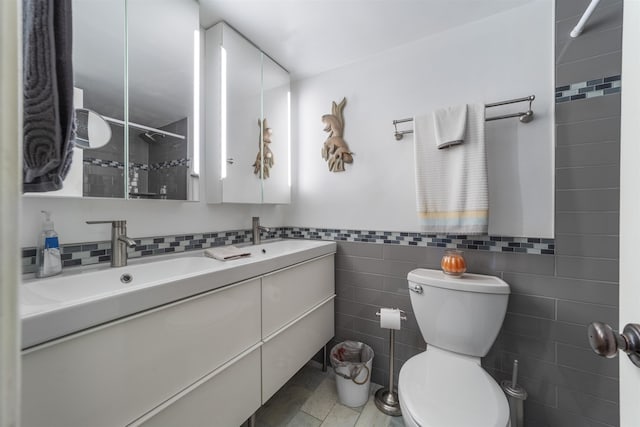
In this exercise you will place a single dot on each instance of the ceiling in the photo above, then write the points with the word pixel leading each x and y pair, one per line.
pixel 308 37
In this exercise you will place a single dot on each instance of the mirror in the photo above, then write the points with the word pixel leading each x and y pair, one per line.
pixel 252 136
pixel 163 50
pixel 92 131
pixel 143 87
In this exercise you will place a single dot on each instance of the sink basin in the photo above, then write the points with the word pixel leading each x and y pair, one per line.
pixel 40 295
pixel 84 297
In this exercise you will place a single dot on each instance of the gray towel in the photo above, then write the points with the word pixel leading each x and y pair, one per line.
pixel 48 94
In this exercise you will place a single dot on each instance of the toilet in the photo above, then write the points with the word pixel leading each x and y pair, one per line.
pixel 459 318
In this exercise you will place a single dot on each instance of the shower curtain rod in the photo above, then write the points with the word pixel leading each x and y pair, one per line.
pixel 143 127
pixel 525 116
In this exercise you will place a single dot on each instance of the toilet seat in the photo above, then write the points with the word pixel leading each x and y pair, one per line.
pixel 438 388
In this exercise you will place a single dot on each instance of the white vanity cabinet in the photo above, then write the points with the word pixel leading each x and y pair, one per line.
pixel 111 375
pixel 297 319
pixel 210 359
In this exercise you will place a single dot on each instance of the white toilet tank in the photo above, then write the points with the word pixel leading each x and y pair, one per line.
pixel 459 314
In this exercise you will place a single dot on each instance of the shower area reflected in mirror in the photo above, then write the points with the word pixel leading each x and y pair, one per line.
pixel 134 66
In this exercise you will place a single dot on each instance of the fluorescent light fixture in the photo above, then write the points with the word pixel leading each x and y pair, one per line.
pixel 223 112
pixel 196 102
pixel 289 137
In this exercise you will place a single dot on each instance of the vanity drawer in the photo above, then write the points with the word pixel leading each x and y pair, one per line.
pixel 288 293
pixel 111 375
pixel 226 397
pixel 284 353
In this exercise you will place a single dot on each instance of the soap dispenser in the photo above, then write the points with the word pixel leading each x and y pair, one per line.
pixel 48 257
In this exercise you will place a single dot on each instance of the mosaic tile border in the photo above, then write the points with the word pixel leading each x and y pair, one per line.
pixel 589 89
pixel 170 164
pixel 136 166
pixel 103 163
pixel 527 245
pixel 100 252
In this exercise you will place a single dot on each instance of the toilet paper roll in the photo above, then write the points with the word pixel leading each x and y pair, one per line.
pixel 390 318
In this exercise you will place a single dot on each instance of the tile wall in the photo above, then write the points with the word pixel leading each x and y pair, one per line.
pixel 554 297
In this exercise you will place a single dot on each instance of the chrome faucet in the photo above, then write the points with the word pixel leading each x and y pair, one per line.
pixel 119 241
pixel 256 229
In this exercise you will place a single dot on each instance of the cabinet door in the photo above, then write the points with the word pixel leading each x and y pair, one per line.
pixel 224 398
pixel 288 293
pixel 243 112
pixel 113 374
pixel 276 187
pixel 288 350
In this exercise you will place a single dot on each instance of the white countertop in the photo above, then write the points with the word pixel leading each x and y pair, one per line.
pixel 84 297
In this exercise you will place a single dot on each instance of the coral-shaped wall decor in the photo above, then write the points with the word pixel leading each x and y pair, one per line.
pixel 335 150
pixel 264 162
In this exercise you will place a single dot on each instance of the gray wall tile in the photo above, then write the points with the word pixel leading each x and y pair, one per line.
pixel 605 270
pixel 544 416
pixel 599 130
pixel 575 8
pixel 599 246
pixel 586 360
pixel 588 222
pixel 588 109
pixel 589 406
pixel 360 250
pixel 581 178
pixel 532 306
pixel 599 386
pixel 583 314
pixel 383 299
pixel 375 266
pixel 587 45
pixel 533 347
pixel 564 288
pixel 609 64
pixel 588 200
pixel 596 154
pixel 605 17
pixel 359 279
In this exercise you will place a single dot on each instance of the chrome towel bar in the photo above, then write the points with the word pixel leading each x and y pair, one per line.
pixel 525 116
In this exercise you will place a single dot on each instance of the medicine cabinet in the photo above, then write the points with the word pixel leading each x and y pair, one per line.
pixel 136 66
pixel 247 124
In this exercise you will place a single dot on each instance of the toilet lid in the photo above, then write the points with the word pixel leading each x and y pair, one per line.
pixel 439 388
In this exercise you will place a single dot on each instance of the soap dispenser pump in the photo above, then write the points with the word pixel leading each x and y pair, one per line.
pixel 48 257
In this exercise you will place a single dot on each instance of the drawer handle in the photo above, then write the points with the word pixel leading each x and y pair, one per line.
pixel 416 288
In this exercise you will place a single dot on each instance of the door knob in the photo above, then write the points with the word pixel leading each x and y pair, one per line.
pixel 606 342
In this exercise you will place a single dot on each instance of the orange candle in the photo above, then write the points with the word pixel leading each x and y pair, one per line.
pixel 453 263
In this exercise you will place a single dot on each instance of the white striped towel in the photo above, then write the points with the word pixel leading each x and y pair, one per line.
pixel 451 184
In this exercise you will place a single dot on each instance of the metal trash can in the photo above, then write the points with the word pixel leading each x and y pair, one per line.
pixel 351 361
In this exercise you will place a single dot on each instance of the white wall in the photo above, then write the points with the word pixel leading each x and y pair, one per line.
pixel 501 57
pixel 145 218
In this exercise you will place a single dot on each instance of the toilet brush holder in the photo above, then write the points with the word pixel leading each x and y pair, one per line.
pixel 516 395
pixel 386 399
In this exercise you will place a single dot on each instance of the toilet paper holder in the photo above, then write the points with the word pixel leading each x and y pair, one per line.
pixel 402 314
pixel 386 399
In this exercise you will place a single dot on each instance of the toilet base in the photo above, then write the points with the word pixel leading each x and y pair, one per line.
pixel 387 402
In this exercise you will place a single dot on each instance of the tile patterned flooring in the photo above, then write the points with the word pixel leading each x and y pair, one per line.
pixel 310 399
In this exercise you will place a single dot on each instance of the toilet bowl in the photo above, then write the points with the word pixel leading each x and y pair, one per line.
pixel 445 386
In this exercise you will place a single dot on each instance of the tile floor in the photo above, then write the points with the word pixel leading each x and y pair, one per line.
pixel 310 399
